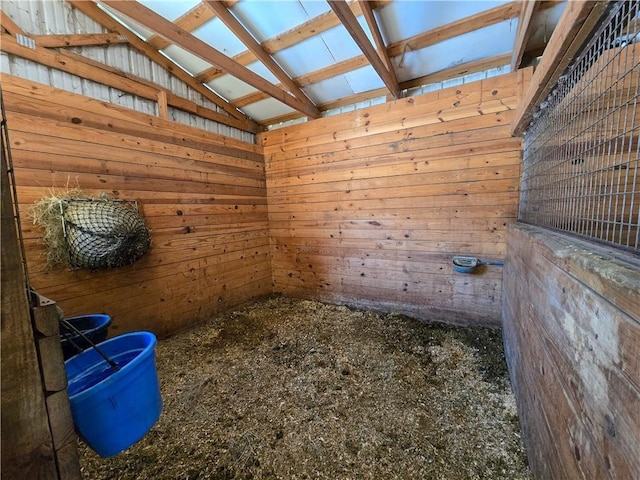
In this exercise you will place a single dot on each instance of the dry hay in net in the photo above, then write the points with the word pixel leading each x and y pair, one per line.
pixel 47 213
pixel 91 232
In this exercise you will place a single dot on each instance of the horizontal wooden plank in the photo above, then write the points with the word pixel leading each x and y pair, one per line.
pixel 446 145
pixel 428 212
pixel 454 203
pixel 30 194
pixel 392 247
pixel 437 120
pixel 41 100
pixel 467 99
pixel 589 343
pixel 48 179
pixel 401 140
pixel 167 251
pixel 48 154
pixel 158 153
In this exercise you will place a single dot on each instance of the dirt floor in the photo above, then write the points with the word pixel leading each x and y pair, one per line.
pixel 295 389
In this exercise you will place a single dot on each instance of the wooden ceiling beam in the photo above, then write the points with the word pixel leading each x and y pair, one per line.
pixel 151 20
pixel 92 70
pixel 524 32
pixel 79 40
pixel 577 22
pixel 350 22
pixel 245 37
pixel 194 18
pixel 454 29
pixel 92 11
pixel 306 30
pixel 9 25
pixel 370 18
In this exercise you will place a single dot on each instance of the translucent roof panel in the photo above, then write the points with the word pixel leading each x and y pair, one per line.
pixel 230 87
pixel 267 108
pixel 455 51
pixel 341 44
pixel 364 79
pixel 402 20
pixel 328 90
pixel 268 18
pixel 170 10
pixel 307 56
pixel 216 34
pixel 135 27
pixel 185 59
pixel 264 72
pixel 314 7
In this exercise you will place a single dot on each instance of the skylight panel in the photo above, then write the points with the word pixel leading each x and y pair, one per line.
pixel 230 87
pixel 185 59
pixel 216 34
pixel 267 19
pixel 170 10
pixel 267 108
pixel 401 20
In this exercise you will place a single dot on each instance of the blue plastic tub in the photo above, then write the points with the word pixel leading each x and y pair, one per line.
pixel 94 326
pixel 113 410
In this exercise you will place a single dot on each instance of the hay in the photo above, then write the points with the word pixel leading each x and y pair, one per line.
pixel 47 213
pixel 91 232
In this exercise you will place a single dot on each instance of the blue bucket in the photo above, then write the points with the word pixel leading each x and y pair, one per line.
pixel 94 327
pixel 112 410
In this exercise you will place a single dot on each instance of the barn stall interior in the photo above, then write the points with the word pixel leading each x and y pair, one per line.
pixel 308 171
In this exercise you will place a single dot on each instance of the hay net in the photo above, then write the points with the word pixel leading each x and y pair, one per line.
pixel 96 233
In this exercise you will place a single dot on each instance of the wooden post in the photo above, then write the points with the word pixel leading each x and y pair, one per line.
pixel 38 440
pixel 163 110
pixel 27 446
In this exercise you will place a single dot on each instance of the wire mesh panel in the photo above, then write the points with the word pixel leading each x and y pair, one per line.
pixel 581 152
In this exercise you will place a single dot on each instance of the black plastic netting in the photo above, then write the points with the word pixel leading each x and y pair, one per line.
pixel 103 233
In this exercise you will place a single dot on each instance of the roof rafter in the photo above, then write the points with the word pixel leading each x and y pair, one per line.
pixel 194 18
pixel 367 11
pixel 9 25
pixel 245 37
pixel 348 19
pixel 523 32
pixel 151 20
pixel 92 11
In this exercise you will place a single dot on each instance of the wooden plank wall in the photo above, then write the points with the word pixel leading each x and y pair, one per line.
pixel 571 315
pixel 203 197
pixel 369 207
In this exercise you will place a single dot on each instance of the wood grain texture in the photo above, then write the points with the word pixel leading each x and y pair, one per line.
pixel 572 353
pixel 27 445
pixel 203 196
pixel 369 207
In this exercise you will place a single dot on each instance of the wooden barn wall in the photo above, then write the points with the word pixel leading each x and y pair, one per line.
pixel 368 208
pixel 203 196
pixel 571 315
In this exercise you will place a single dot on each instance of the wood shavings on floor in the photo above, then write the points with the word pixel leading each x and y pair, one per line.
pixel 296 389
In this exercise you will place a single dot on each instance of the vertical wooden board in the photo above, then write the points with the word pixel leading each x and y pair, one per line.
pixel 52 363
pixel 27 450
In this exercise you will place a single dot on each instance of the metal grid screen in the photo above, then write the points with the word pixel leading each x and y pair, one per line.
pixel 581 151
